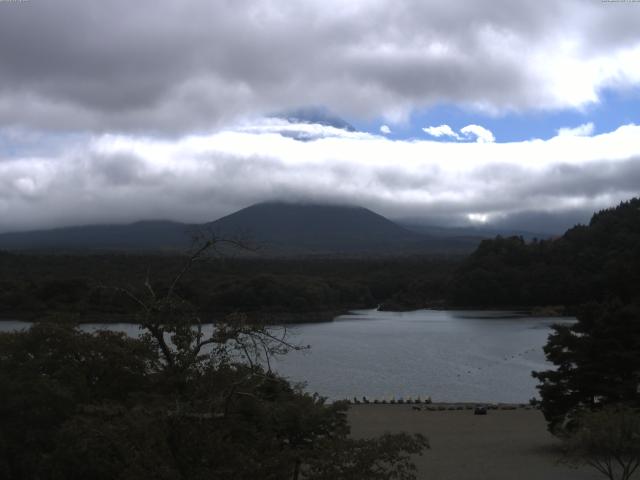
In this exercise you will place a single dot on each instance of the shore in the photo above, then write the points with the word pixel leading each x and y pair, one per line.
pixel 268 318
pixel 505 444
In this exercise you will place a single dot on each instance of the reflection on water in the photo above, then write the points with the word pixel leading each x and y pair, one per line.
pixel 448 355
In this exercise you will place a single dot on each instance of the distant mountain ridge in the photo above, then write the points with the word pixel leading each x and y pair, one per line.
pixel 314 227
pixel 316 115
pixel 143 235
pixel 278 228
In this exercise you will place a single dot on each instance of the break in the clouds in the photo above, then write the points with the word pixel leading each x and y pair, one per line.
pixel 119 178
pixel 178 67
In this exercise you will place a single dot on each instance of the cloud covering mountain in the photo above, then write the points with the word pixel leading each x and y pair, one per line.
pixel 118 178
pixel 121 111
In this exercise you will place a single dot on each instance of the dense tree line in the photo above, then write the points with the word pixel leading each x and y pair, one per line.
pixel 32 285
pixel 597 262
pixel 594 270
pixel 597 364
pixel 173 404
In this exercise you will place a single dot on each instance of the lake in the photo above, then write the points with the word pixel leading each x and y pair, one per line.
pixel 453 356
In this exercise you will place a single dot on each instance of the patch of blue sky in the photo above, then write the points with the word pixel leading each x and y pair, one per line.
pixel 18 143
pixel 615 108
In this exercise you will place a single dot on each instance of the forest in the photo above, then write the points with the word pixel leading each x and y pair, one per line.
pixel 177 404
pixel 287 289
pixel 595 262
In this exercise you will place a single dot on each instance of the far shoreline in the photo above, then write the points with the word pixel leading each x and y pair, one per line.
pixel 279 318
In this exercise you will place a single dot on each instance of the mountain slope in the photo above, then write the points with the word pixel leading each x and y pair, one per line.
pixel 314 227
pixel 278 228
pixel 147 235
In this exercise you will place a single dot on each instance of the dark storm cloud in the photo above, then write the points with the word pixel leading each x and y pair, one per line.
pixel 177 66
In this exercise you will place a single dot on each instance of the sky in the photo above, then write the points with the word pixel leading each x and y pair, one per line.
pixel 507 113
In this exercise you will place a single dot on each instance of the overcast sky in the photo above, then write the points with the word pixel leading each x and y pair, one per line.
pixel 510 112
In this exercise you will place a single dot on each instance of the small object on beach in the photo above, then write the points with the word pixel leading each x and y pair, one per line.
pixel 427 399
pixel 419 409
pixel 480 410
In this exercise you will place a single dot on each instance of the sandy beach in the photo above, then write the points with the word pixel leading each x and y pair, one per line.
pixel 502 445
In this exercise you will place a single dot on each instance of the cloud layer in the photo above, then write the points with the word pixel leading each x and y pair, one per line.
pixel 120 110
pixel 176 67
pixel 120 178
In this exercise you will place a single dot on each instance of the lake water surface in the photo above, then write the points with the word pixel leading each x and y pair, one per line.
pixel 448 355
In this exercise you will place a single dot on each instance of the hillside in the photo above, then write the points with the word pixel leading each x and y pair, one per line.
pixel 277 228
pixel 319 228
pixel 148 235
pixel 596 262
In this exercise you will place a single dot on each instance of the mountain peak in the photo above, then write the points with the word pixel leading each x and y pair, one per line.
pixel 314 227
pixel 316 115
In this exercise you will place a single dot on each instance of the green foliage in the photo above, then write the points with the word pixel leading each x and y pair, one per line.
pixel 47 373
pixel 33 285
pixel 173 404
pixel 598 262
pixel 608 440
pixel 384 458
pixel 597 363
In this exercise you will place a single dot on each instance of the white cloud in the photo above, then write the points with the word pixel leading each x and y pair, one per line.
pixel 201 177
pixel 441 131
pixel 584 130
pixel 385 130
pixel 482 134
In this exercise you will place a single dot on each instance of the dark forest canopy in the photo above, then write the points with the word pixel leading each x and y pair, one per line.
pixel 33 285
pixel 102 406
pixel 174 404
pixel 593 262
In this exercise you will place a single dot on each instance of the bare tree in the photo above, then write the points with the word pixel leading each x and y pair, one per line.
pixel 173 325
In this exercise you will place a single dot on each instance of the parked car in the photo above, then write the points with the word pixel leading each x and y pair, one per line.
pixel 480 410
